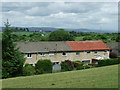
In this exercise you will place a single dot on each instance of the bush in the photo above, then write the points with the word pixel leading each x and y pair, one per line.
pixel 113 55
pixel 85 66
pixel 78 65
pixel 43 66
pixel 106 62
pixel 28 70
pixel 67 65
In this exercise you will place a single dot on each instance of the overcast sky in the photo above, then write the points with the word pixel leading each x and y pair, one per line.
pixel 90 15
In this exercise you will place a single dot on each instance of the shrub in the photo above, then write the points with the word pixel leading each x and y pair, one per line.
pixel 106 62
pixel 85 66
pixel 67 65
pixel 78 65
pixel 28 70
pixel 113 55
pixel 92 64
pixel 43 66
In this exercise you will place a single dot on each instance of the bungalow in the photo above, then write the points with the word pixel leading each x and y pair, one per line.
pixel 57 51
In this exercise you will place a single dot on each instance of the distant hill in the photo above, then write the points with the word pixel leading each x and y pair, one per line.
pixel 53 29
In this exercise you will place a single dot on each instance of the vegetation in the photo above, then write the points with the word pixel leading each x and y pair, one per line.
pixel 60 35
pixel 101 77
pixel 106 62
pixel 23 34
pixel 78 65
pixel 43 66
pixel 67 65
pixel 28 70
pixel 105 37
pixel 12 59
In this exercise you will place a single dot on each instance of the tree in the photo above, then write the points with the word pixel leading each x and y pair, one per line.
pixel 60 35
pixel 12 59
pixel 27 29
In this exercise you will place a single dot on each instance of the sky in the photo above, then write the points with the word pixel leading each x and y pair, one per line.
pixel 75 15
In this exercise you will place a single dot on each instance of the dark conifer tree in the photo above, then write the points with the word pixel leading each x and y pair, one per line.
pixel 12 59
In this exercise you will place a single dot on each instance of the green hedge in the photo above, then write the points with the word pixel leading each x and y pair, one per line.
pixel 43 66
pixel 78 65
pixel 28 70
pixel 106 62
pixel 67 65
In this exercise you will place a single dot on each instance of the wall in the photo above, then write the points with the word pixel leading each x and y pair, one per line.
pixel 58 57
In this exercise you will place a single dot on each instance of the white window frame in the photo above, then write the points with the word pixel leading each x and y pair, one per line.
pixel 43 54
pixel 65 54
pixel 29 55
pixel 51 54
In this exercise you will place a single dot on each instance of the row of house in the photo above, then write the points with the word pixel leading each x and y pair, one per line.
pixel 58 51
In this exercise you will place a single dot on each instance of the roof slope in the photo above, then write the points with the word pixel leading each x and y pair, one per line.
pixel 43 46
pixel 88 45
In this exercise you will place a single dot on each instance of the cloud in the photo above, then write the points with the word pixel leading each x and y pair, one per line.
pixel 89 15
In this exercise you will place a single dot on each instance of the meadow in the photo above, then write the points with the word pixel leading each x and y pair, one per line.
pixel 100 77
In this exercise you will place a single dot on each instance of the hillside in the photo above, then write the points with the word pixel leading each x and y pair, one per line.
pixel 101 77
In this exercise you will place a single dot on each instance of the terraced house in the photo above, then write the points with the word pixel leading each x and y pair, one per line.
pixel 57 51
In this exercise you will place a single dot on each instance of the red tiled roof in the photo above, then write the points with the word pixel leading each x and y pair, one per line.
pixel 87 45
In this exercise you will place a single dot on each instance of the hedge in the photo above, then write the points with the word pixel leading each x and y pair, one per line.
pixel 28 70
pixel 43 66
pixel 78 65
pixel 106 62
pixel 67 65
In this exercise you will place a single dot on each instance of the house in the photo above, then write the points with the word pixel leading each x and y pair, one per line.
pixel 114 47
pixel 58 51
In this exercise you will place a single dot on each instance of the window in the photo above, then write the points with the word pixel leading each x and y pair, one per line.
pixel 95 52
pixel 105 50
pixel 64 53
pixel 77 53
pixel 29 55
pixel 51 53
pixel 88 52
pixel 86 61
pixel 42 54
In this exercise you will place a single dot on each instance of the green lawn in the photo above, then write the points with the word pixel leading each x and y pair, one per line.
pixel 79 38
pixel 28 33
pixel 101 77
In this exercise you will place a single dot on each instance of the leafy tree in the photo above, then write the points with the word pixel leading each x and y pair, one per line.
pixel 60 35
pixel 12 59
pixel 27 29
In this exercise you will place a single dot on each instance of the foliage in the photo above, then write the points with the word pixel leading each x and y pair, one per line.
pixel 85 66
pixel 106 62
pixel 28 70
pixel 60 35
pixel 78 65
pixel 43 66
pixel 12 59
pixel 113 55
pixel 67 65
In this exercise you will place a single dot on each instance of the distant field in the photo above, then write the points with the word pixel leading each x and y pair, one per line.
pixel 79 38
pixel 28 33
pixel 101 77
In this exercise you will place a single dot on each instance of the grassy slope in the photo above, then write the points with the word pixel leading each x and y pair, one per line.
pixel 101 77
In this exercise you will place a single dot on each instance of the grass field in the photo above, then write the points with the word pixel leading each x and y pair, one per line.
pixel 79 38
pixel 101 77
pixel 28 33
